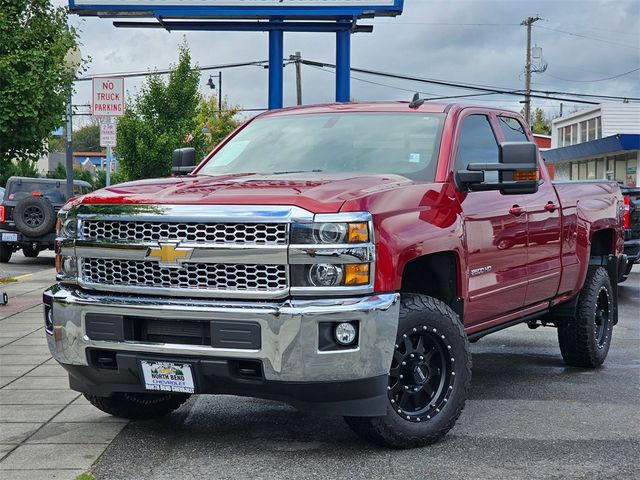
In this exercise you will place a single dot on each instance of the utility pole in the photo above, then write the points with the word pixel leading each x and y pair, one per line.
pixel 296 59
pixel 527 81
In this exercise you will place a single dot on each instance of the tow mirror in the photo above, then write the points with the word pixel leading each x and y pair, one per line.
pixel 183 160
pixel 517 169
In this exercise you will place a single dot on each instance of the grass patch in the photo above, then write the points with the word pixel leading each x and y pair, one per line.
pixel 85 476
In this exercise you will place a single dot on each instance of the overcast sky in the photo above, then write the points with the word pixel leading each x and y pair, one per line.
pixel 477 41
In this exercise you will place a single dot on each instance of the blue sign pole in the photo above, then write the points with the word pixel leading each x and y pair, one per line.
pixel 276 67
pixel 343 66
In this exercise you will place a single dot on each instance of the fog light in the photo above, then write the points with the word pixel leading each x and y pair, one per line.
pixel 325 275
pixel 69 266
pixel 345 333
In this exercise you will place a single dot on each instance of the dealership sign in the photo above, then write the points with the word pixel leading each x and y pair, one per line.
pixel 239 8
pixel 108 97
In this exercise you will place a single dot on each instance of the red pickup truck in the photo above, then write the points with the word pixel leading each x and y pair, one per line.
pixel 337 257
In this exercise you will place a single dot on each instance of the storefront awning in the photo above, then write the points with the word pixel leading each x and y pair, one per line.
pixel 595 148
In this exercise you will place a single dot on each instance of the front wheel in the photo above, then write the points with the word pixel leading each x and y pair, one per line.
pixel 30 252
pixel 429 379
pixel 585 338
pixel 138 406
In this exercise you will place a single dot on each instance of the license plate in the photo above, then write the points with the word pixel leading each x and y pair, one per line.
pixel 167 376
pixel 9 237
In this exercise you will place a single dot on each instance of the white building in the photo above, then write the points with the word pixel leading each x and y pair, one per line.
pixel 602 142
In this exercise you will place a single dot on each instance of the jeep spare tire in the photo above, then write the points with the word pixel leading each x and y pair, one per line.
pixel 34 216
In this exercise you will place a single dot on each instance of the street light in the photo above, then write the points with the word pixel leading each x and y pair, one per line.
pixel 72 61
pixel 212 86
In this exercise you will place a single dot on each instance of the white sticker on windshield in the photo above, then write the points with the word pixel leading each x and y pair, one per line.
pixel 414 157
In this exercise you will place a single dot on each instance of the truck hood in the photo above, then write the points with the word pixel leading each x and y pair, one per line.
pixel 316 192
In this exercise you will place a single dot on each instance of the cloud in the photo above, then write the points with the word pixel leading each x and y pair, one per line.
pixel 430 39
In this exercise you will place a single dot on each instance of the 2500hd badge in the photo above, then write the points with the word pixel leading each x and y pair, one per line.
pixel 335 257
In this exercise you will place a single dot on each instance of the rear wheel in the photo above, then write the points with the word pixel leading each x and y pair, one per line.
pixel 429 379
pixel 5 252
pixel 138 406
pixel 34 216
pixel 585 339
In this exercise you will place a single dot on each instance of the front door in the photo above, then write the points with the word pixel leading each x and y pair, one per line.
pixel 543 227
pixel 495 231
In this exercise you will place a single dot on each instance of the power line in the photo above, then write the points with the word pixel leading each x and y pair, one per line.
pixel 544 94
pixel 573 34
pixel 450 84
pixel 596 80
pixel 169 70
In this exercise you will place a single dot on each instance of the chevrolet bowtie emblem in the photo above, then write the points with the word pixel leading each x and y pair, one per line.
pixel 169 254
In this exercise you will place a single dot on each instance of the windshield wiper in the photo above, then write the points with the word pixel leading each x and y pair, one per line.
pixel 297 171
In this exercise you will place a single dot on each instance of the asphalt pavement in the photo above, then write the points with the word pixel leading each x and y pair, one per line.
pixel 529 416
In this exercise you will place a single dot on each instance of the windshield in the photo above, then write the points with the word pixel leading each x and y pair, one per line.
pixel 405 144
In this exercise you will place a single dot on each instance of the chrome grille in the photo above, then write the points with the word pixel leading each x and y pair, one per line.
pixel 216 233
pixel 193 276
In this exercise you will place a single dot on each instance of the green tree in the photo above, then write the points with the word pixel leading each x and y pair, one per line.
pixel 78 174
pixel 217 124
pixel 540 123
pixel 34 80
pixel 87 138
pixel 159 119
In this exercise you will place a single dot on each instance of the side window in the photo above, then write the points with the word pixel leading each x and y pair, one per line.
pixel 512 129
pixel 477 144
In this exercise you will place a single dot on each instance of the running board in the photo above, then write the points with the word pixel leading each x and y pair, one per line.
pixel 528 318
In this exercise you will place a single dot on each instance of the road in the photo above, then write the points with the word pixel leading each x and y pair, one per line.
pixel 529 416
pixel 21 265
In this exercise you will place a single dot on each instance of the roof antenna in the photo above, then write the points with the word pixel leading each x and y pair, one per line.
pixel 417 101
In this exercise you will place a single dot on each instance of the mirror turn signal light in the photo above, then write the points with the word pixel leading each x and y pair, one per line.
pixel 358 232
pixel 356 274
pixel 526 175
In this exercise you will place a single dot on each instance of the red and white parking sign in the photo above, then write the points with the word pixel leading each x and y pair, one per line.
pixel 108 134
pixel 108 97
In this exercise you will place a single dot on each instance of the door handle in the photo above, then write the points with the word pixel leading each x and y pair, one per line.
pixel 516 210
pixel 550 207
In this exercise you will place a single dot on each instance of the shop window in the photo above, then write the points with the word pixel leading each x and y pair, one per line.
pixel 591 170
pixel 566 136
pixel 582 171
pixel 583 131
pixel 621 170
pixel 600 163
pixel 575 174
pixel 591 129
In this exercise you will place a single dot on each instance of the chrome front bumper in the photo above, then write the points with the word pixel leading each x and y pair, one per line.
pixel 289 331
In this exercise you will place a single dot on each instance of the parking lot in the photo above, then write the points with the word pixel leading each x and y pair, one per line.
pixel 528 416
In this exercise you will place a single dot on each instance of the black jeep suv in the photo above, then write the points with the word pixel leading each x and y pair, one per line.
pixel 28 214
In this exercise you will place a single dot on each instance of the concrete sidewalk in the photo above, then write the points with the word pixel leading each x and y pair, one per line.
pixel 47 431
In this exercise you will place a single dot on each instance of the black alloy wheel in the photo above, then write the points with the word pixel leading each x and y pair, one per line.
pixel 421 375
pixel 603 315
pixel 585 337
pixel 33 216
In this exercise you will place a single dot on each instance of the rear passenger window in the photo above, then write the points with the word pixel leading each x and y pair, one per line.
pixel 477 144
pixel 512 129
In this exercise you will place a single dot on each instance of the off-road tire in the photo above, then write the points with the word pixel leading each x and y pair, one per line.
pixel 138 406
pixel 34 216
pixel 578 336
pixel 29 252
pixel 5 252
pixel 420 313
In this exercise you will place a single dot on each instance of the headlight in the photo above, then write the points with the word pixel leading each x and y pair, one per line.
pixel 66 227
pixel 325 275
pixel 66 266
pixel 330 233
